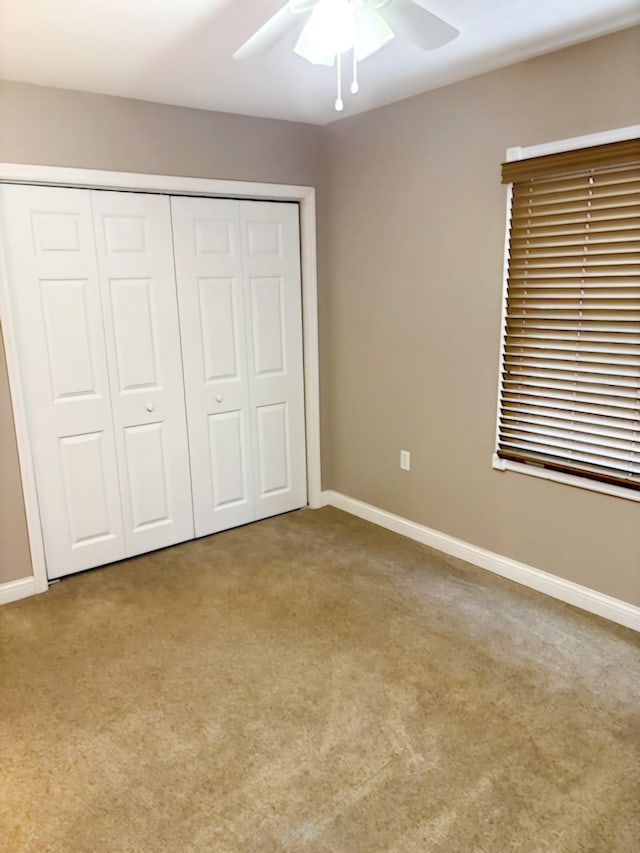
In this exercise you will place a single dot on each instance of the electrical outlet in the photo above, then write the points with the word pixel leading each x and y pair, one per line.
pixel 405 460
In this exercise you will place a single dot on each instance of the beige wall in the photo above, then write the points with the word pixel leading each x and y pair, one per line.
pixel 62 128
pixel 416 218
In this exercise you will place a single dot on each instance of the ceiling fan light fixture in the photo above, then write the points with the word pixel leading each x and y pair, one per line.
pixel 334 27
pixel 338 26
pixel 329 32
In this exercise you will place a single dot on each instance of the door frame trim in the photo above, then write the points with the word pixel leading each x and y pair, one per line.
pixel 20 173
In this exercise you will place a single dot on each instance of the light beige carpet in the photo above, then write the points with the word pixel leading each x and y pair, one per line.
pixel 313 683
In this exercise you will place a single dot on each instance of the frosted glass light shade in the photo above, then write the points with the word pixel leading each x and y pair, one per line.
pixel 329 32
pixel 371 31
pixel 336 26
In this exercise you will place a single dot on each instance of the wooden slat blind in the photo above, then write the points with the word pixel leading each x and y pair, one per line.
pixel 570 386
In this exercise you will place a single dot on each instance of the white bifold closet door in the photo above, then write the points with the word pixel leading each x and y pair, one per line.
pixel 51 260
pixel 93 293
pixel 137 280
pixel 239 293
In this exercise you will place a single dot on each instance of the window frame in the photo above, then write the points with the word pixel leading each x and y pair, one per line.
pixel 498 463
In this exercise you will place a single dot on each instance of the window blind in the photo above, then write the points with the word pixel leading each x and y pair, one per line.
pixel 570 383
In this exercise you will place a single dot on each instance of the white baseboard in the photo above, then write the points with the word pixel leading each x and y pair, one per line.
pixel 572 593
pixel 15 590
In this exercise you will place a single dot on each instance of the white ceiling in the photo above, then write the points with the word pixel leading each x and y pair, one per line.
pixel 179 51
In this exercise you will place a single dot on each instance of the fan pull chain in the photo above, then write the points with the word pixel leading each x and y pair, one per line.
pixel 339 101
pixel 355 86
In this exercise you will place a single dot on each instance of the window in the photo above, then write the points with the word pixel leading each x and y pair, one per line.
pixel 570 376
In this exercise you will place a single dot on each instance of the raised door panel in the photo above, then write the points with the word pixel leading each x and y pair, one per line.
pixel 53 282
pixel 84 459
pixel 274 449
pixel 212 319
pixel 218 307
pixel 228 442
pixel 272 285
pixel 134 334
pixel 268 325
pixel 149 489
pixel 133 238
pixel 68 338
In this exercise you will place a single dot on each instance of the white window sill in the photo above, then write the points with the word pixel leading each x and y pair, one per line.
pixel 568 479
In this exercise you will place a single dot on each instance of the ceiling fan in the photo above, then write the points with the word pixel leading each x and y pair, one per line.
pixel 334 27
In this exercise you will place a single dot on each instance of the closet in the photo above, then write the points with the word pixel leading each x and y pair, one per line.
pixel 238 268
pixel 160 348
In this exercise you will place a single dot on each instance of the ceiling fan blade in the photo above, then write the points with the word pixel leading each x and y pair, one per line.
pixel 411 22
pixel 275 29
